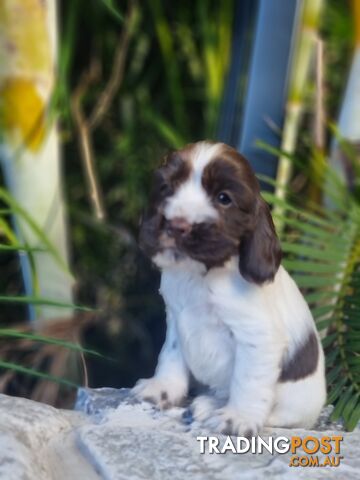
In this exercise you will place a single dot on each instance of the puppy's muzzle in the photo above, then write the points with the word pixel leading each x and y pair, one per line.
pixel 178 227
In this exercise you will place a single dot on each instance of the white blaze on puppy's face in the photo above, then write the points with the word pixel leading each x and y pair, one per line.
pixel 190 201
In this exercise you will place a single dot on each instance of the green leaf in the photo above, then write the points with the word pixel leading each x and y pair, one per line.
pixel 313 231
pixel 41 301
pixel 322 310
pixel 339 407
pixel 321 324
pixel 353 419
pixel 355 371
pixel 336 391
pixel 307 266
pixel 349 407
pixel 20 248
pixel 311 281
pixel 169 132
pixel 352 345
pixel 352 334
pixel 7 231
pixel 314 253
pixel 333 374
pixel 277 152
pixel 354 360
pixel 6 332
pixel 163 30
pixel 352 300
pixel 110 5
pixel 331 357
pixel 22 213
pixel 36 373
pixel 315 219
pixel 320 296
pixel 329 339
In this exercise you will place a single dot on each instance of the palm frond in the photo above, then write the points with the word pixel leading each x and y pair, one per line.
pixel 10 333
pixel 36 373
pixel 17 209
pixel 36 300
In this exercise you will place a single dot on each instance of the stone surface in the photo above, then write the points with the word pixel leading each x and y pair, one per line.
pixel 136 441
pixel 37 442
pixel 100 400
pixel 112 436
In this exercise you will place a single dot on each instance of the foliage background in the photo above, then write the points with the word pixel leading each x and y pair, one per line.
pixel 170 94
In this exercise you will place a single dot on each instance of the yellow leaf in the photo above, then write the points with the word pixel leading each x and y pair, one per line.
pixel 22 113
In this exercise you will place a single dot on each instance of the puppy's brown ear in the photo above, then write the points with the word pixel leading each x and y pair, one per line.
pixel 259 250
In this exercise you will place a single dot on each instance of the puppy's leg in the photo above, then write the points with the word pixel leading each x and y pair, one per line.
pixel 252 389
pixel 169 385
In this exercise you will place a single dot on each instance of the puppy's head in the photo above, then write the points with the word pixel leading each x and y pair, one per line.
pixel 206 205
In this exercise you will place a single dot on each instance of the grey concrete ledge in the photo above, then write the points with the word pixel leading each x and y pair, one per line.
pixel 112 436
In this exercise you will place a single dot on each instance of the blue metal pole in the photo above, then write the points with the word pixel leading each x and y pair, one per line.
pixel 5 163
pixel 255 96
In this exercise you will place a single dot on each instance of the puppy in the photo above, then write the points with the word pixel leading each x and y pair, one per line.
pixel 236 321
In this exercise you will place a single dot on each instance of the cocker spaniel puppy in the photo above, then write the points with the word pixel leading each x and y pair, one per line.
pixel 236 321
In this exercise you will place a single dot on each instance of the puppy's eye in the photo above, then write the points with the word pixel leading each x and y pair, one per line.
pixel 224 199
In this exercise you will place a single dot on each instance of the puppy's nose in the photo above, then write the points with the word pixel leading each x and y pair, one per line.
pixel 178 227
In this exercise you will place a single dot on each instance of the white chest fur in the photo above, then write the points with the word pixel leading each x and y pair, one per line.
pixel 203 307
pixel 233 336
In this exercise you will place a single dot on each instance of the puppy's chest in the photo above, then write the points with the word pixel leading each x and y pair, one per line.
pixel 207 343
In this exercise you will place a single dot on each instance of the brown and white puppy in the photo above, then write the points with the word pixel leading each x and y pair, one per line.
pixel 236 321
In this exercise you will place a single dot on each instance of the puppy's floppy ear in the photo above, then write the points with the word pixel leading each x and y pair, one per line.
pixel 259 250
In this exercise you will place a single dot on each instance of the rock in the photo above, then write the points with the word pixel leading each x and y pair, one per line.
pixel 112 436
pixel 32 439
pixel 98 401
pixel 137 441
pixel 26 427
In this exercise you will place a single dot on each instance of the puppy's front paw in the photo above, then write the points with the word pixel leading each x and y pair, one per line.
pixel 203 407
pixel 162 392
pixel 229 421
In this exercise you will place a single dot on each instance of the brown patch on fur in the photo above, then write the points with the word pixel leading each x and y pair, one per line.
pixel 260 252
pixel 175 169
pixel 247 220
pixel 304 361
pixel 207 244
pixel 223 174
